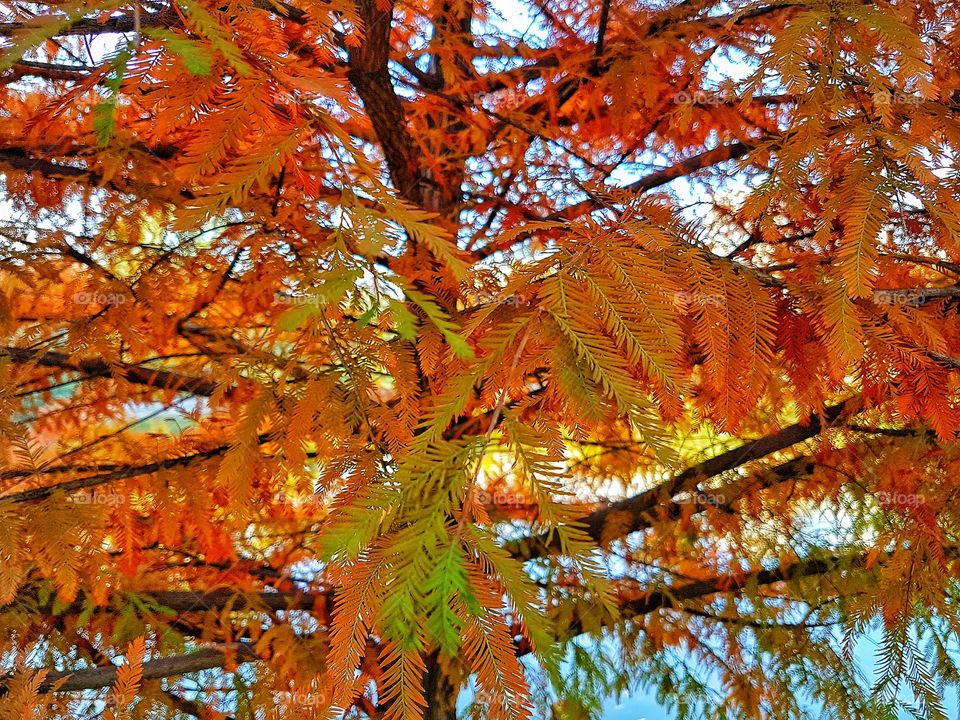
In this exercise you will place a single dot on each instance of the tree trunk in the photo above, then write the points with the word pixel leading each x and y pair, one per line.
pixel 441 689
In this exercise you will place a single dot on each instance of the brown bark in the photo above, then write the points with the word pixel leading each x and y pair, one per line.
pixel 441 690
pixel 370 78
pixel 136 374
pixel 443 681
pixel 635 513
pixel 101 677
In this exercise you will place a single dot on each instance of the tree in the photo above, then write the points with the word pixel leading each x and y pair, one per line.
pixel 359 352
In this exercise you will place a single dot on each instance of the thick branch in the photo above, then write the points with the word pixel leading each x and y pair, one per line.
pixel 217 657
pixel 369 75
pixel 635 513
pixel 128 23
pixel 736 583
pixel 16 158
pixel 702 589
pixel 136 374
pixel 101 677
pixel 123 473
pixel 181 601
pixel 50 71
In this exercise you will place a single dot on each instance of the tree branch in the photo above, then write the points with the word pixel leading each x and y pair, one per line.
pixel 16 158
pixel 648 182
pixel 101 677
pixel 369 76
pixel 136 374
pixel 218 656
pixel 188 600
pixel 635 513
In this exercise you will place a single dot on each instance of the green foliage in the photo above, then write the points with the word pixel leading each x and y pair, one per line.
pixel 197 59
pixel 103 113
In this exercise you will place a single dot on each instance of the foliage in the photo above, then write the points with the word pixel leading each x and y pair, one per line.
pixel 359 352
